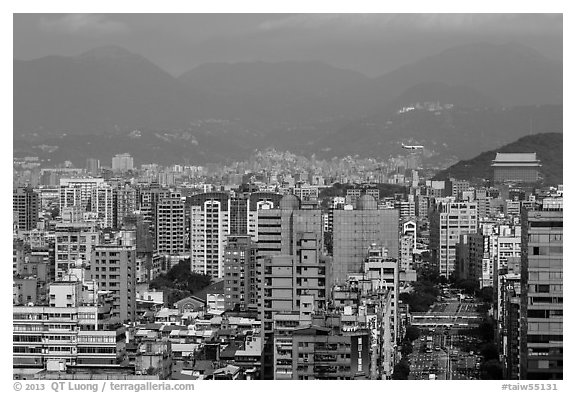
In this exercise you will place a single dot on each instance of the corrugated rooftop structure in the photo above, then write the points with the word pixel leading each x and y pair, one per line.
pixel 516 168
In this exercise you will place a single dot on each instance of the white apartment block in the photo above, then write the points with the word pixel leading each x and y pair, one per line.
pixel 447 222
pixel 73 241
pixel 70 331
pixel 102 204
pixel 209 228
pixel 78 191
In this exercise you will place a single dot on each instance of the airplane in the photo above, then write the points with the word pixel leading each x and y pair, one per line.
pixel 412 147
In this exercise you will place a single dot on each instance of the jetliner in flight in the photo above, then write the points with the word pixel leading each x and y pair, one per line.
pixel 412 147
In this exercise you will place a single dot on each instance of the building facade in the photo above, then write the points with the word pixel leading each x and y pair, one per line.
pixel 240 273
pixel 356 230
pixel 449 220
pixel 541 334
pixel 74 241
pixel 171 226
pixel 516 168
pixel 113 267
pixel 26 206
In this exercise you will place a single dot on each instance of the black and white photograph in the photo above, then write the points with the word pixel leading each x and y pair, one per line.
pixel 286 196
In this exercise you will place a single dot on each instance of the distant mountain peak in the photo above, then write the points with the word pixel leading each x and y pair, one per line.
pixel 107 52
pixel 274 66
pixel 113 55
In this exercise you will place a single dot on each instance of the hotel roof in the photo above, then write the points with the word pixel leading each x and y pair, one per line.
pixel 507 159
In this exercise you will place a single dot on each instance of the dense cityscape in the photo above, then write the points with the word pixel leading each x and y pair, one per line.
pixel 286 268
pixel 287 196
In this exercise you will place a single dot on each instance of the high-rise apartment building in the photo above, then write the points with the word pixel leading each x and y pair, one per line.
pixel 19 251
pixel 240 273
pixel 407 208
pixel 286 277
pixel 124 204
pixel 278 227
pixel 508 319
pixel 381 273
pixel 484 206
pixel 73 241
pixel 542 308
pixel 122 162
pixel 457 187
pixel 406 253
pixel 472 251
pixel 92 166
pixel 356 230
pixel 147 199
pixel 209 228
pixel 422 202
pixel 214 216
pixel 449 220
pixel 171 226
pixel 290 240
pixel 136 225
pixel 113 267
pixel 102 205
pixel 288 280
pixel 25 205
pixel 507 247
pixel 78 191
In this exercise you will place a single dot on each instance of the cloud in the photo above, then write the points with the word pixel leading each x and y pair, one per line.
pixel 471 22
pixel 84 24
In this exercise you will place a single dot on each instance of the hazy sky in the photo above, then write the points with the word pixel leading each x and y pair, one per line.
pixel 370 43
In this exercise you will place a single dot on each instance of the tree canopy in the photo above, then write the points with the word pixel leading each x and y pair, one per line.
pixel 180 282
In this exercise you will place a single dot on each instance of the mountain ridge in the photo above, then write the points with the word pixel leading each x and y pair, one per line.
pixel 548 149
pixel 111 90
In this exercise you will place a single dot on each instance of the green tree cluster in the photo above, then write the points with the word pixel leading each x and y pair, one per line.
pixel 401 370
pixel 180 282
pixel 423 295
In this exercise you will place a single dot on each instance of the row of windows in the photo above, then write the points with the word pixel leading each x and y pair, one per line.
pixel 96 350
pixel 28 328
pixel 545 238
pixel 545 288
pixel 74 239
pixel 60 349
pixel 96 339
pixel 546 224
pixel 546 250
pixel 27 350
pixel 544 364
pixel 545 313
pixel 546 299
pixel 29 339
pixel 544 276
pixel 109 253
pixel 109 261
pixel 544 338
pixel 545 351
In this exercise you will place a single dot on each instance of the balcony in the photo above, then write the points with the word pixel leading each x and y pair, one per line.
pixel 325 358
pixel 284 356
